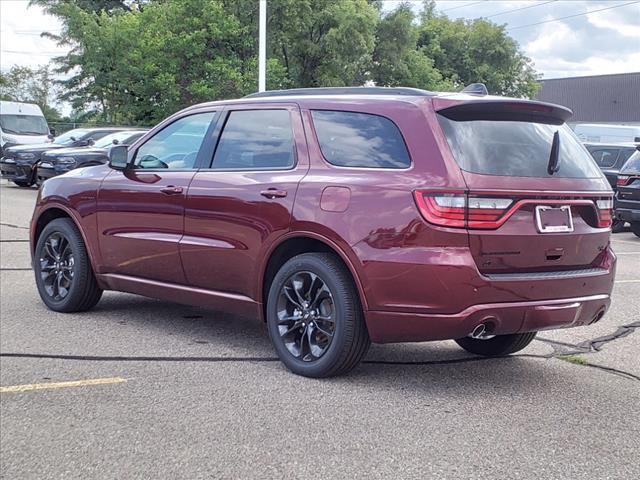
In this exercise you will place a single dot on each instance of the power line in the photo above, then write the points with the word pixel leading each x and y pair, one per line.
pixel 461 6
pixel 521 8
pixel 573 16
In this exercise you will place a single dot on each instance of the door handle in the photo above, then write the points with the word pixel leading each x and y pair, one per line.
pixel 171 190
pixel 273 193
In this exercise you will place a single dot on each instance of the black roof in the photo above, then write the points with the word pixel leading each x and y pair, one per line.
pixel 400 91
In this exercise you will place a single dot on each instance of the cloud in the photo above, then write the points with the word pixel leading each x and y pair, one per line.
pixel 20 41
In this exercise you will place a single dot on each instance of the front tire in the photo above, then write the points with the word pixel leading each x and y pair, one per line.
pixel 497 346
pixel 635 228
pixel 22 184
pixel 617 226
pixel 315 318
pixel 64 276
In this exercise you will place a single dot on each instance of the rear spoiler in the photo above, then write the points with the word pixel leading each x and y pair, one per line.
pixel 503 110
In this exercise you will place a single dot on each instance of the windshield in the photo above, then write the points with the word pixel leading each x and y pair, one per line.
pixel 107 141
pixel 69 137
pixel 519 149
pixel 24 124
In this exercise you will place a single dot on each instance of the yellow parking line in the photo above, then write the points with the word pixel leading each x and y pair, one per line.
pixel 75 383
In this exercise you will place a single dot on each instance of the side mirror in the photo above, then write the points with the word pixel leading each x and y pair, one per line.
pixel 90 142
pixel 119 157
pixel 115 141
pixel 52 132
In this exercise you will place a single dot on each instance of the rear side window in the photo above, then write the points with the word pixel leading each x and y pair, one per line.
pixel 633 164
pixel 515 148
pixel 256 140
pixel 605 157
pixel 350 139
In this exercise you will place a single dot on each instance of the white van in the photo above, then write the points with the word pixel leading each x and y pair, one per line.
pixel 602 133
pixel 22 124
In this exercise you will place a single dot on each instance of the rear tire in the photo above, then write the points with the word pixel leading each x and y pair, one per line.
pixel 497 346
pixel 618 226
pixel 64 275
pixel 635 228
pixel 315 318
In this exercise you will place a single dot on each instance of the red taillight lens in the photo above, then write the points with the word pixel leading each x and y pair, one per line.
pixel 622 180
pixel 605 212
pixel 459 210
pixel 447 209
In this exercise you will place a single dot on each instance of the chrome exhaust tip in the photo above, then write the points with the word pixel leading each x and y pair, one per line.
pixel 479 331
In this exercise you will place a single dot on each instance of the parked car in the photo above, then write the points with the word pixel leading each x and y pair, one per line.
pixel 342 216
pixel 18 163
pixel 606 133
pixel 627 201
pixel 610 157
pixel 22 124
pixel 59 161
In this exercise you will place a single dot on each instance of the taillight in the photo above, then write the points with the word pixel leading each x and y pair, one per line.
pixel 622 180
pixel 459 210
pixel 605 212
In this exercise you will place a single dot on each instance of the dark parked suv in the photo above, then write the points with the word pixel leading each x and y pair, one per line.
pixel 627 201
pixel 61 160
pixel 341 217
pixel 18 163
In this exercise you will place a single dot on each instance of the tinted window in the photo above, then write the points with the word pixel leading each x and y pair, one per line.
pixel 605 157
pixel 350 139
pixel 254 140
pixel 624 155
pixel 176 146
pixel 512 148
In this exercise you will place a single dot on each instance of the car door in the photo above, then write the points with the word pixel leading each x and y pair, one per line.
pixel 237 208
pixel 141 209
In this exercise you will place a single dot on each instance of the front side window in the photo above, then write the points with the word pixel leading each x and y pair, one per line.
pixel 256 140
pixel 177 145
pixel 632 165
pixel 516 148
pixel 351 139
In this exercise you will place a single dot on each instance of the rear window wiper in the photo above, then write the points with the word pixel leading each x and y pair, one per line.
pixel 554 157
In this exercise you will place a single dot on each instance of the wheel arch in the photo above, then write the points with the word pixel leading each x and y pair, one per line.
pixel 53 212
pixel 295 244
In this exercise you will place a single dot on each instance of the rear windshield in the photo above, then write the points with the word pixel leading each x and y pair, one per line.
pixel 514 148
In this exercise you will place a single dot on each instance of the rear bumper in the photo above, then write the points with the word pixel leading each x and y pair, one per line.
pixel 386 327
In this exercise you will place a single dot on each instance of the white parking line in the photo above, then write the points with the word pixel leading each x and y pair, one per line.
pixel 627 281
pixel 624 241
pixel 627 253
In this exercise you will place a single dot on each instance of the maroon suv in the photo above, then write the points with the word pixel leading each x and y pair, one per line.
pixel 341 217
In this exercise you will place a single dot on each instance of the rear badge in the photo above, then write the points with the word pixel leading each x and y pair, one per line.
pixel 554 219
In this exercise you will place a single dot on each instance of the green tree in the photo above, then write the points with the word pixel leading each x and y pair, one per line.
pixel 468 51
pixel 323 42
pixel 396 59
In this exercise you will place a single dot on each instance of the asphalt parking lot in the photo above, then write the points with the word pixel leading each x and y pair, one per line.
pixel 168 391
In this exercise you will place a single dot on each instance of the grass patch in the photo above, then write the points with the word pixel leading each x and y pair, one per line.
pixel 573 359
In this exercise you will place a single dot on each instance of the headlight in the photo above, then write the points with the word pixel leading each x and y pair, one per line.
pixel 25 156
pixel 66 161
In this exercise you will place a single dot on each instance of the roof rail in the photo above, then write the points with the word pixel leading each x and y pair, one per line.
pixel 415 92
pixel 476 89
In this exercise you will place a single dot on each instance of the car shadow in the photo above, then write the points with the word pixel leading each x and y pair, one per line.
pixel 209 336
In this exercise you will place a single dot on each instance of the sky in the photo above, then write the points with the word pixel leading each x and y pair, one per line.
pixel 594 43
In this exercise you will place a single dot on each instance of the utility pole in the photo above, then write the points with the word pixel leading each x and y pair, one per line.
pixel 262 47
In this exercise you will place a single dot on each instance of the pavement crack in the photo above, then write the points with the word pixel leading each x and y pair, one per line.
pixel 11 225
pixel 597 343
